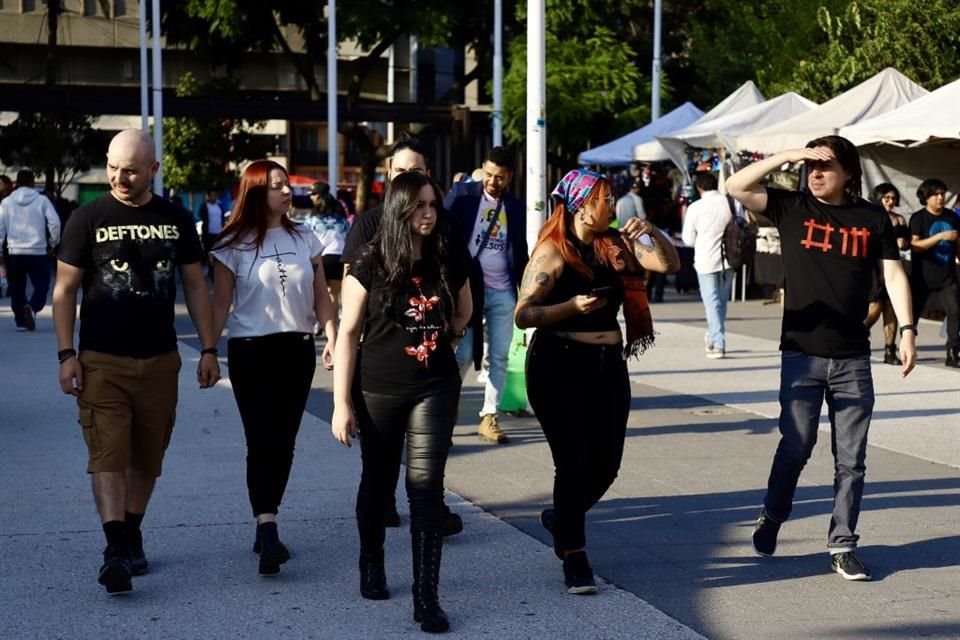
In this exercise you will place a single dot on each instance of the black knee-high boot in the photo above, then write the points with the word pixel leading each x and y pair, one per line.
pixel 427 551
pixel 370 526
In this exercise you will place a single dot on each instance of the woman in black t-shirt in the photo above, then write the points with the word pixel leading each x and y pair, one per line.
pixel 411 301
pixel 887 196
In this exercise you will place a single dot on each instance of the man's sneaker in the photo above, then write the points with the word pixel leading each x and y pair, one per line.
pixel 765 535
pixel 708 347
pixel 849 566
pixel 716 353
pixel 577 574
pixel 953 359
pixel 115 572
pixel 29 318
pixel 490 429
pixel 21 328
pixel 138 561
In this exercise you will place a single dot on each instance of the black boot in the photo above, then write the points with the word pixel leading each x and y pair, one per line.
pixel 890 355
pixel 427 550
pixel 953 359
pixel 273 553
pixel 373 578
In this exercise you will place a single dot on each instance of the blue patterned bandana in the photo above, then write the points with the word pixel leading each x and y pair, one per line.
pixel 574 188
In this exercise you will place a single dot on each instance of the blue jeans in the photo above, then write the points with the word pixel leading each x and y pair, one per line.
pixel 498 308
pixel 847 386
pixel 19 268
pixel 715 291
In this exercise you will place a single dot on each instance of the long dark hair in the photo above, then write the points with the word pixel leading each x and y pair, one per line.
pixel 849 158
pixel 250 211
pixel 882 189
pixel 391 249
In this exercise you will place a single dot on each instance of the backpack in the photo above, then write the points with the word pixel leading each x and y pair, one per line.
pixel 739 243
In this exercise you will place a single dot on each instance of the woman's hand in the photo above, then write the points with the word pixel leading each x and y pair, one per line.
pixel 635 227
pixel 326 357
pixel 587 303
pixel 343 425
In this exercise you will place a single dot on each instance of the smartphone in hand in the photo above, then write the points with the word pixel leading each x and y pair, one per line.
pixel 601 292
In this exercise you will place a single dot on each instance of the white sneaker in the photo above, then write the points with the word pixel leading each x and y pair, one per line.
pixel 706 342
pixel 715 353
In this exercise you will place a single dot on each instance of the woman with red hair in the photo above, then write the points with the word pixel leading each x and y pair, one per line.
pixel 579 275
pixel 269 278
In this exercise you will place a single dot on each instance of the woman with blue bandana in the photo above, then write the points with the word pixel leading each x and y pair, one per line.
pixel 580 274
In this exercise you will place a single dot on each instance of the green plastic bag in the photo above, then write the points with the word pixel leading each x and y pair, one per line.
pixel 514 397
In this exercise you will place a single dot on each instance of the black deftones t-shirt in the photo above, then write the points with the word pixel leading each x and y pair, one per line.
pixel 129 256
pixel 407 355
pixel 829 256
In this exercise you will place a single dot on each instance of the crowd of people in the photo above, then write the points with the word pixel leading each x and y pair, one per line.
pixel 410 297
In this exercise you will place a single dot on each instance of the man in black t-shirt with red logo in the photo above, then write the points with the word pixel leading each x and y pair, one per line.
pixel 123 249
pixel 831 241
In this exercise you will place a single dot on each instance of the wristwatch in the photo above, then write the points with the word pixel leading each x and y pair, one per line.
pixel 211 350
pixel 65 354
pixel 908 327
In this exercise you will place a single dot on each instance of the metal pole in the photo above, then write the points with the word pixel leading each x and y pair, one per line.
pixel 414 50
pixel 391 88
pixel 144 78
pixel 655 73
pixel 157 96
pixel 497 73
pixel 333 170
pixel 536 120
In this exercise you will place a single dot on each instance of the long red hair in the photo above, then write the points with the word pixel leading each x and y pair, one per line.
pixel 250 211
pixel 558 229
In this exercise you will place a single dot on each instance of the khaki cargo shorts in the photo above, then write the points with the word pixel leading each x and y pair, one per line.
pixel 127 410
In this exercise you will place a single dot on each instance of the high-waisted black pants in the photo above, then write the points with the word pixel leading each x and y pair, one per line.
pixel 383 421
pixel 580 393
pixel 271 377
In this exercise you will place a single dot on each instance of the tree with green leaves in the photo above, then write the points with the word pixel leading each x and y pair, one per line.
pixel 58 146
pixel 202 153
pixel 919 39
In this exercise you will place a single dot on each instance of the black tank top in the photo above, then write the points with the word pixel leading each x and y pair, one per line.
pixel 571 282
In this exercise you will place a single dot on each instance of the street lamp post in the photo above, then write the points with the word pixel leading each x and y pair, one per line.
pixel 497 73
pixel 655 72
pixel 333 170
pixel 157 96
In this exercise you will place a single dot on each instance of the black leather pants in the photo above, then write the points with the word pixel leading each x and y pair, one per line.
pixel 383 421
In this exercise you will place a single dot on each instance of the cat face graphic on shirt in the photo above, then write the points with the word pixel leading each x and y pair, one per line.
pixel 130 269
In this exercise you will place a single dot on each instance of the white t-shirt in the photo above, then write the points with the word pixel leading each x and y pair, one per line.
pixel 214 218
pixel 493 258
pixel 703 227
pixel 273 289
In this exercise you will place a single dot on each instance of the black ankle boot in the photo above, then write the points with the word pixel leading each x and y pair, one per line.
pixel 953 359
pixel 890 355
pixel 273 553
pixel 373 578
pixel 427 551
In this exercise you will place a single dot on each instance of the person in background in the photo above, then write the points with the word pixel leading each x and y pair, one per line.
pixel 887 196
pixel 703 229
pixel 494 225
pixel 578 277
pixel 832 241
pixel 630 205
pixel 269 290
pixel 409 296
pixel 329 223
pixel 30 227
pixel 6 187
pixel 934 245
pixel 212 219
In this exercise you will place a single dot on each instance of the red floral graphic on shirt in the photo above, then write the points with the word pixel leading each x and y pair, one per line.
pixel 419 306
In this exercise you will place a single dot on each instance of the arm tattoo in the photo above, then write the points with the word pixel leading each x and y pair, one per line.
pixel 542 279
pixel 531 316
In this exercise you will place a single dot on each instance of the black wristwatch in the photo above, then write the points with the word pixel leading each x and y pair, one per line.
pixel 908 327
pixel 211 350
pixel 65 354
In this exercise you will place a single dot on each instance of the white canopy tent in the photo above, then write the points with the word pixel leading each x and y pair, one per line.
pixel 747 95
pixel 880 94
pixel 721 132
pixel 907 145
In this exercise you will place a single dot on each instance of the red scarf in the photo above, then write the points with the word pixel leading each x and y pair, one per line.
pixel 613 252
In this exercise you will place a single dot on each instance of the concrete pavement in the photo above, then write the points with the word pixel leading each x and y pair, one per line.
pixel 671 539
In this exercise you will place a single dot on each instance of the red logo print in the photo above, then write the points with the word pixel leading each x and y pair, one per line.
pixel 853 241
pixel 419 306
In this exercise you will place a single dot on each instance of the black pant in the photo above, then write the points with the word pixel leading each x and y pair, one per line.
pixel 581 396
pixel 949 298
pixel 271 378
pixel 383 421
